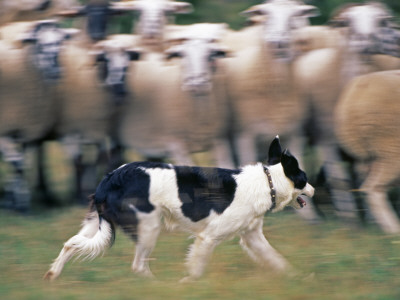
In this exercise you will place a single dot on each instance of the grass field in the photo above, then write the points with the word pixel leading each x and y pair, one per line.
pixel 347 263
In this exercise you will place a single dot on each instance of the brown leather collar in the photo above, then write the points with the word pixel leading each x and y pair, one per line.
pixel 271 187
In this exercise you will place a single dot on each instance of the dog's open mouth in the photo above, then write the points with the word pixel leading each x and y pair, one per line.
pixel 301 202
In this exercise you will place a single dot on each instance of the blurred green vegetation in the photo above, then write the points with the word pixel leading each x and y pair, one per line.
pixel 346 263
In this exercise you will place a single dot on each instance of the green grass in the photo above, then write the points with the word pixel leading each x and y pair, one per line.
pixel 348 263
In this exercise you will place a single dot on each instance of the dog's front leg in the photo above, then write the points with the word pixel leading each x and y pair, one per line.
pixel 198 256
pixel 259 249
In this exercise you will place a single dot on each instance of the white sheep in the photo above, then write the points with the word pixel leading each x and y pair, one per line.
pixel 315 37
pixel 176 109
pixel 261 91
pixel 28 107
pixel 367 125
pixel 29 10
pixel 154 15
pixel 92 96
pixel 321 75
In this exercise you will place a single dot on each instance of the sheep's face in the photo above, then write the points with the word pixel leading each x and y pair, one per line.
pixel 281 18
pixel 114 66
pixel 153 15
pixel 199 61
pixel 363 25
pixel 47 39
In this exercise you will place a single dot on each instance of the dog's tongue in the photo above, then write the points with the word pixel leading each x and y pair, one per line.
pixel 301 201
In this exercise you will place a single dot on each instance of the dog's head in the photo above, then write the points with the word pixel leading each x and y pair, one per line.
pixel 289 180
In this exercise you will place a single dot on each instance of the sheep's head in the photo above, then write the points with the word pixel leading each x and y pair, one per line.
pixel 113 58
pixel 47 38
pixel 363 25
pixel 279 19
pixel 153 15
pixel 199 51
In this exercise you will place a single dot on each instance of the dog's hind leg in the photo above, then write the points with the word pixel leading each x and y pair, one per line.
pixel 198 256
pixel 259 249
pixel 149 226
pixel 91 240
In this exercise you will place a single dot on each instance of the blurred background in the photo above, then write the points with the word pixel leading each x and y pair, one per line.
pixel 86 86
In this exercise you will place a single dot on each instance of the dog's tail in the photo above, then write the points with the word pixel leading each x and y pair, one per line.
pixel 96 235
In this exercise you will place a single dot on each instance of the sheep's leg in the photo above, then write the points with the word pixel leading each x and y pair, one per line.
pixel 179 153
pixel 223 154
pixel 338 182
pixel 198 257
pixel 149 226
pixel 17 186
pixel 375 187
pixel 261 252
pixel 85 158
pixel 246 145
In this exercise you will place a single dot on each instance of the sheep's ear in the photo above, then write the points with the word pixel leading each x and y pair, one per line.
pixel 308 11
pixel 180 7
pixel 274 152
pixel 70 33
pixel 255 10
pixel 71 13
pixel 98 56
pixel 173 52
pixel 134 54
pixel 43 6
pixel 220 52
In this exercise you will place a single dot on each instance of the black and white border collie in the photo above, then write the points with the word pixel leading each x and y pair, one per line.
pixel 212 204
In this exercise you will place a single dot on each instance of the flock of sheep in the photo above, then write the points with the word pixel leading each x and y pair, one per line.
pixel 169 91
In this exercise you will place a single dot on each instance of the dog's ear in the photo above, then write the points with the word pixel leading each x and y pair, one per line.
pixel 289 163
pixel 292 170
pixel 274 152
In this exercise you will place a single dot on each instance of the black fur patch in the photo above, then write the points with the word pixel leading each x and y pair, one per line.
pixel 204 189
pixel 125 190
pixel 292 170
pixel 274 152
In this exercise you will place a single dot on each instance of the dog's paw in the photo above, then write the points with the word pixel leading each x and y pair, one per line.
pixel 49 276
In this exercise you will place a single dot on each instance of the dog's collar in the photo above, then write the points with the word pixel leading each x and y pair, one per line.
pixel 271 187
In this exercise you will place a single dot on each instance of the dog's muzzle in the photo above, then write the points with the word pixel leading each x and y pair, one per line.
pixel 307 191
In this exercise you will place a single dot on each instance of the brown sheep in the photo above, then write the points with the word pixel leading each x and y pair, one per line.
pixel 367 125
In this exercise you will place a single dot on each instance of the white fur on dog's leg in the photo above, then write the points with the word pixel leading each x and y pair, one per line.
pixel 198 256
pixel 259 249
pixel 57 266
pixel 148 230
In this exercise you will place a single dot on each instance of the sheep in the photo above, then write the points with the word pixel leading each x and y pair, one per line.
pixel 97 13
pixel 315 37
pixel 152 21
pixel 28 107
pixel 260 88
pixel 367 126
pixel 176 109
pixel 18 10
pixel 92 96
pixel 321 74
